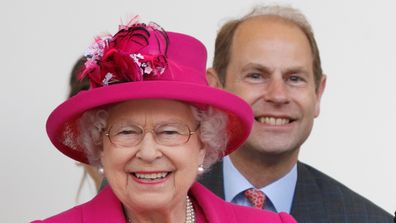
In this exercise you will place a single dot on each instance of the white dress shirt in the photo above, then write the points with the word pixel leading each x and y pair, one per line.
pixel 280 192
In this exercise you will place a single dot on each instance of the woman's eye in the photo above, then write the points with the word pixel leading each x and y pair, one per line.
pixel 124 132
pixel 127 132
pixel 172 130
pixel 169 132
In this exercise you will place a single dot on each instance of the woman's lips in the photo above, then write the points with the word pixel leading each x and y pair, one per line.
pixel 150 177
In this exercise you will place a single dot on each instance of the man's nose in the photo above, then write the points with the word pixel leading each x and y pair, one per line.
pixel 277 92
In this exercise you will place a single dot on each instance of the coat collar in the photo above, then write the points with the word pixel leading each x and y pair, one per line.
pixel 105 207
pixel 214 208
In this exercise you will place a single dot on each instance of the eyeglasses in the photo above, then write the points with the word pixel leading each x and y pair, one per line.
pixel 166 134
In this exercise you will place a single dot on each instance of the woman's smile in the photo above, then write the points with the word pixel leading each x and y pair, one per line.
pixel 150 177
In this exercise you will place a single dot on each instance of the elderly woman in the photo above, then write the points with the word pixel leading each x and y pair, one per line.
pixel 151 124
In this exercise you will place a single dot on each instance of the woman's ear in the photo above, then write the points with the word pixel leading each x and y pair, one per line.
pixel 101 155
pixel 202 153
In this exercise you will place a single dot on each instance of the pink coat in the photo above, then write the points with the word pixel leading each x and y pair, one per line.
pixel 105 207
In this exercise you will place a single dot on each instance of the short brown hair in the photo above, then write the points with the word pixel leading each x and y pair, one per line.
pixel 226 34
pixel 75 84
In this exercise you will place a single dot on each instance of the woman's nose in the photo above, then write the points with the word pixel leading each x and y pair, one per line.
pixel 148 148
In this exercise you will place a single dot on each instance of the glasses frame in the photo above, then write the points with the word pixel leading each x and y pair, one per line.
pixel 145 131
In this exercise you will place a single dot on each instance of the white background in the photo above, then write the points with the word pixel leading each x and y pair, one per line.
pixel 353 139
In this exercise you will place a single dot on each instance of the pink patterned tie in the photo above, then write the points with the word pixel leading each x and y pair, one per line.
pixel 256 197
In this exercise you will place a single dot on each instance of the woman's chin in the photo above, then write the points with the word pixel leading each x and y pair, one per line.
pixel 150 201
pixel 151 192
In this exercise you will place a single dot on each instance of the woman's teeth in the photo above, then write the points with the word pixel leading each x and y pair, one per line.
pixel 151 176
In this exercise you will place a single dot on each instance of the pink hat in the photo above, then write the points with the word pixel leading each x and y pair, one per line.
pixel 144 62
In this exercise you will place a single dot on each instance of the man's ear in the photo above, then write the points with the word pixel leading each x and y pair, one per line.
pixel 213 78
pixel 319 93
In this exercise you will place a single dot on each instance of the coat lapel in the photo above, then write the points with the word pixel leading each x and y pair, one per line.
pixel 214 209
pixel 105 207
pixel 308 203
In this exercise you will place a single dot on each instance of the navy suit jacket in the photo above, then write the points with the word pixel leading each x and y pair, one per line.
pixel 317 198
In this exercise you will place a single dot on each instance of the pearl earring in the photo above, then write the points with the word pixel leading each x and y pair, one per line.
pixel 101 171
pixel 201 169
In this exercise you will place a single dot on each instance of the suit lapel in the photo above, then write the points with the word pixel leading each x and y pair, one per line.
pixel 308 203
pixel 213 179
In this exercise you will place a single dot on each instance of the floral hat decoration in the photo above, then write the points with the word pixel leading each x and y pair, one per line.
pixel 119 58
pixel 143 61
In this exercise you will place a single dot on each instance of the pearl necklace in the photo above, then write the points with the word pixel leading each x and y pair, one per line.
pixel 190 215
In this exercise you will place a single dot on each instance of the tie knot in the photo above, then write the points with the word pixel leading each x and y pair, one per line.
pixel 256 197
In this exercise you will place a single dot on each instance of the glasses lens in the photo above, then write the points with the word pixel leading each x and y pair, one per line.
pixel 169 134
pixel 172 134
pixel 125 135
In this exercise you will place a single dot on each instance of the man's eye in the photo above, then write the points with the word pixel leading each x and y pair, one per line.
pixel 254 76
pixel 296 78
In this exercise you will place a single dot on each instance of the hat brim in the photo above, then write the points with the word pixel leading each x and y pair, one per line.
pixel 239 112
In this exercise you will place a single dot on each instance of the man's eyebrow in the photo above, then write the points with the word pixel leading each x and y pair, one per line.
pixel 266 69
pixel 296 69
pixel 256 66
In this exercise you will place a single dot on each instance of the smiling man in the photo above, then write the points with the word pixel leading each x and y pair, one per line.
pixel 270 58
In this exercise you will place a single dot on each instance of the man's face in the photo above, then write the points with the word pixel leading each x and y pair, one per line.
pixel 271 68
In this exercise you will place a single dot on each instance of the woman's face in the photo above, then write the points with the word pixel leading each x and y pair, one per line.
pixel 149 175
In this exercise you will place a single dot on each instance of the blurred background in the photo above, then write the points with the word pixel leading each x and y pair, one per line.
pixel 353 140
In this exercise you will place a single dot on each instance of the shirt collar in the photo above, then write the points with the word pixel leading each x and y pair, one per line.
pixel 280 192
